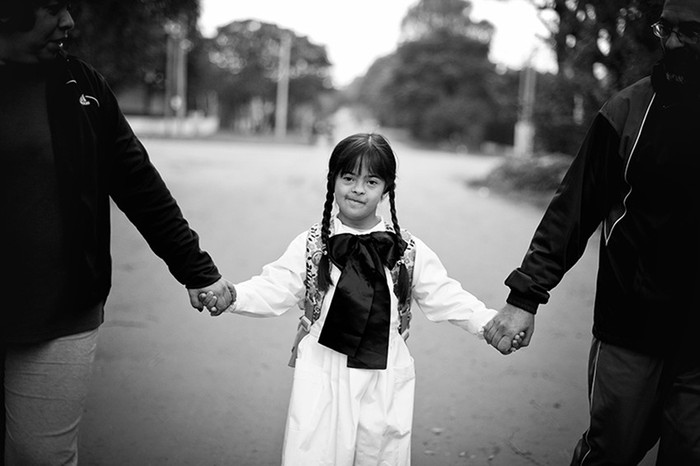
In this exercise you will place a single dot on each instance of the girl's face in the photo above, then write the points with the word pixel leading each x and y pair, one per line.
pixel 44 40
pixel 358 195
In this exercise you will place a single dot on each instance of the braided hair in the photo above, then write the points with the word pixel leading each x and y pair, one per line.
pixel 354 152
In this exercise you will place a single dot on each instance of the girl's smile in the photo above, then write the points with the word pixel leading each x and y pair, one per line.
pixel 355 201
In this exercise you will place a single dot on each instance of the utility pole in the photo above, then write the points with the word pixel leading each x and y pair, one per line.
pixel 524 127
pixel 283 87
pixel 176 73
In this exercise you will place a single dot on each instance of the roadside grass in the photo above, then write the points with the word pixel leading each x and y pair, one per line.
pixel 530 179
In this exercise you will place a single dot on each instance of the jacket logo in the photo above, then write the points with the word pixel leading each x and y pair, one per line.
pixel 84 100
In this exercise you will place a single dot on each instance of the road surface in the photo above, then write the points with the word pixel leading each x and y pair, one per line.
pixel 175 387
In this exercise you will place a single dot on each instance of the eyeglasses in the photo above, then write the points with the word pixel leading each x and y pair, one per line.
pixel 685 34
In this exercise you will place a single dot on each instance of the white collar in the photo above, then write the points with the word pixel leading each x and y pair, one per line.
pixel 340 227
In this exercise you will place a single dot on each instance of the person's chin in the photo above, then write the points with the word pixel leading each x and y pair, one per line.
pixel 687 82
pixel 679 70
pixel 675 77
pixel 49 53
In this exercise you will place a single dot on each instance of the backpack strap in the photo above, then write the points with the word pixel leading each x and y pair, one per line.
pixel 313 298
pixel 408 259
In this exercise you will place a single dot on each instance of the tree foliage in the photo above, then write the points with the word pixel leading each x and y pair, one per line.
pixel 245 57
pixel 601 47
pixel 440 90
pixel 428 17
pixel 439 84
pixel 125 39
pixel 370 88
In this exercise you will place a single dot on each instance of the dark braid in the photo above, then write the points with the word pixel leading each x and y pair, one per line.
pixel 392 209
pixel 403 285
pixel 391 190
pixel 323 279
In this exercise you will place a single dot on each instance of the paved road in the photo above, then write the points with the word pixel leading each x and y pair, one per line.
pixel 175 387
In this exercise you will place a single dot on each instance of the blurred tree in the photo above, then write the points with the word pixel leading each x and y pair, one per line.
pixel 369 90
pixel 601 46
pixel 125 39
pixel 441 89
pixel 245 59
pixel 428 17
pixel 439 83
pixel 505 85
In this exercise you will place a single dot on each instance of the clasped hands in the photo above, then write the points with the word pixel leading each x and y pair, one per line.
pixel 510 329
pixel 215 298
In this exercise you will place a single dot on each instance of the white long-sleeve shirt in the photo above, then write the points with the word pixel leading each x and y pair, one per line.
pixel 280 287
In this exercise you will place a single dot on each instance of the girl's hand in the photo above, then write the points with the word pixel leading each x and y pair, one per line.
pixel 208 300
pixel 517 342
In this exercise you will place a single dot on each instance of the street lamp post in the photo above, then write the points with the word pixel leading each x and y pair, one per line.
pixel 176 74
pixel 283 87
pixel 524 127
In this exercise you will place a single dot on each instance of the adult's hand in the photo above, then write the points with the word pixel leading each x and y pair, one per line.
pixel 210 301
pixel 221 289
pixel 510 320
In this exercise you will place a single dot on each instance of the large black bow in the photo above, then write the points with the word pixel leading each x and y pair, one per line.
pixel 357 323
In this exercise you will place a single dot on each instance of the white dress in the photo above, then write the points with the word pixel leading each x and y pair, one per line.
pixel 340 416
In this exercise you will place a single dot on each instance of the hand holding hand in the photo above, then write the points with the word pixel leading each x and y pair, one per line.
pixel 222 292
pixel 510 329
pixel 209 300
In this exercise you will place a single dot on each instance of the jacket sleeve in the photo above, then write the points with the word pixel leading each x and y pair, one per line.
pixel 577 208
pixel 140 192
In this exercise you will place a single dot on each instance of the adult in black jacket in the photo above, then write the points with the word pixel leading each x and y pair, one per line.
pixel 65 150
pixel 636 173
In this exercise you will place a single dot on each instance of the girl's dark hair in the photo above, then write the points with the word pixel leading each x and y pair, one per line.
pixel 353 153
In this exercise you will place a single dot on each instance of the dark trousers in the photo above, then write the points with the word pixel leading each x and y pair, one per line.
pixel 636 400
pixel 2 404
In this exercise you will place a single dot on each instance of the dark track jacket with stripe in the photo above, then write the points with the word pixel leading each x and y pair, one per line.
pixel 635 173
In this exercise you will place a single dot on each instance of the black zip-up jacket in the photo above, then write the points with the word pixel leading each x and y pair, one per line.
pixel 98 156
pixel 636 172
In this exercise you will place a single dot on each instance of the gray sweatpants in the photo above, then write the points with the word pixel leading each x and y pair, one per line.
pixel 45 389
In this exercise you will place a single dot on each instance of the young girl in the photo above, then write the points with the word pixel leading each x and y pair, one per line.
pixel 352 395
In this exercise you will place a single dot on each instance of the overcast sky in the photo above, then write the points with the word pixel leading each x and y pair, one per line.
pixel 357 32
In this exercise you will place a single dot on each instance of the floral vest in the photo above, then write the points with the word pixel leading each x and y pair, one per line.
pixel 314 297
